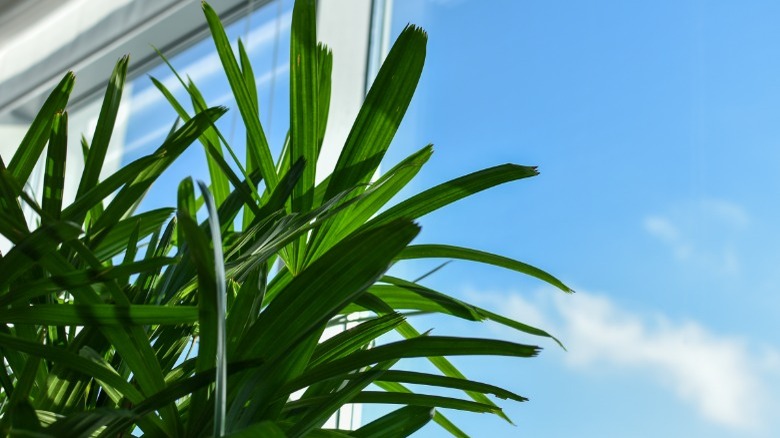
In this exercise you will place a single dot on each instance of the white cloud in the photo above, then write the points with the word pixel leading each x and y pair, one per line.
pixel 726 211
pixel 722 377
pixel 665 230
pixel 704 234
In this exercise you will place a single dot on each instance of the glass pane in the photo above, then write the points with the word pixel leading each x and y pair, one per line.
pixel 149 117
pixel 654 129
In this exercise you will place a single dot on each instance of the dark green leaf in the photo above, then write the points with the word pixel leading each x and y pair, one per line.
pixel 98 314
pixel 248 113
pixel 355 338
pixel 131 194
pixel 24 421
pixel 408 399
pixel 323 288
pixel 115 241
pixel 265 429
pixel 454 252
pixel 448 382
pixel 28 152
pixel 372 200
pixel 304 99
pixel 400 423
pixel 93 164
pixel 423 346
pixel 451 191
pixel 54 176
pixel 381 113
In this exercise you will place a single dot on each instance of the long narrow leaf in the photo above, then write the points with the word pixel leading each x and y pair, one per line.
pixel 98 314
pixel 318 292
pixel 129 195
pixel 235 78
pixel 54 176
pixel 221 349
pixel 400 423
pixel 104 128
pixel 28 152
pixel 455 252
pixel 381 113
pixel 423 346
pixel 304 99
pixel 373 199
pixel 451 191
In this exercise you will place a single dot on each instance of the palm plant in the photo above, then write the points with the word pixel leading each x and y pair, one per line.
pixel 100 305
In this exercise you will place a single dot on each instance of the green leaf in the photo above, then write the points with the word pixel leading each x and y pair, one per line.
pixel 249 77
pixel 355 338
pixel 115 240
pixel 147 279
pixel 381 113
pixel 83 424
pixel 13 224
pixel 131 342
pixel 432 401
pixel 326 286
pixel 244 101
pixel 304 118
pixel 210 292
pixel 93 164
pixel 370 202
pixel 251 143
pixel 298 314
pixel 98 314
pixel 416 378
pixel 423 400
pixel 25 380
pixel 438 418
pixel 240 187
pixel 440 362
pixel 31 147
pixel 131 193
pixel 317 415
pixel 246 306
pixel 73 362
pixel 454 252
pixel 403 294
pixel 54 176
pixel 210 140
pixel 24 421
pixel 399 423
pixel 304 99
pixel 179 389
pixel 220 388
pixel 33 247
pixel 411 296
pixel 238 198
pixel 423 346
pixel 451 191
pixel 325 68
pixel 265 429
pixel 94 197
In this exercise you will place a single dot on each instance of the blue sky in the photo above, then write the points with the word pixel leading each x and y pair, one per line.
pixel 655 127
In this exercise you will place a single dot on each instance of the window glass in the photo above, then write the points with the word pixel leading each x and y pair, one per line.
pixel 149 117
pixel 654 127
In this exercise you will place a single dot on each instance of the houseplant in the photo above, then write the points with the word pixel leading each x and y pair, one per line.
pixel 101 304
